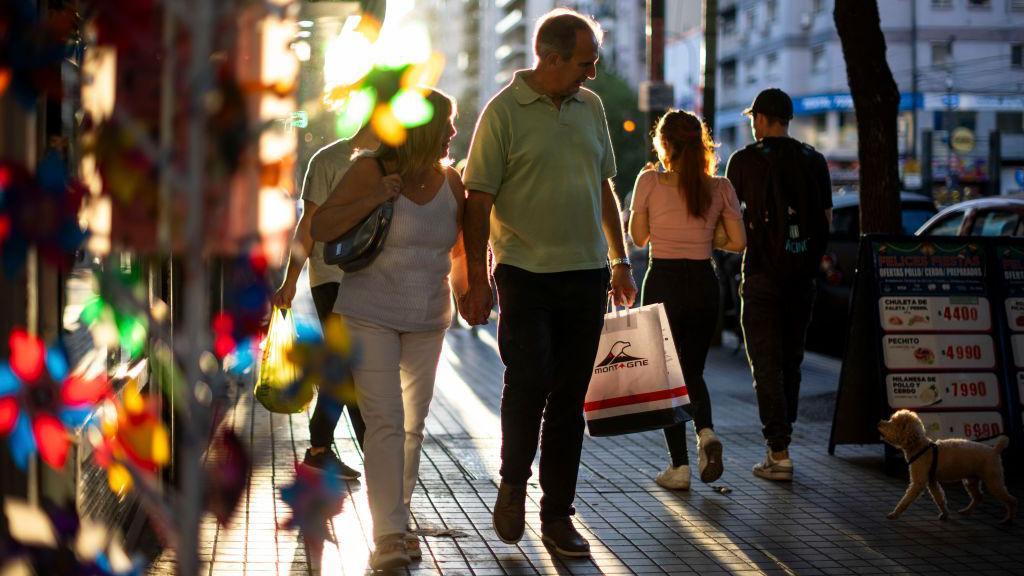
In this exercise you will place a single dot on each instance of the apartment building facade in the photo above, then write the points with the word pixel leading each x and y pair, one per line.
pixel 957 64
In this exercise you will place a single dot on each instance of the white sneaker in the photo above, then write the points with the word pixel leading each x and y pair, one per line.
pixel 709 454
pixel 674 478
pixel 772 469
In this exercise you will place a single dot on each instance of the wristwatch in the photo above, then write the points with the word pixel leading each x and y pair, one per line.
pixel 616 261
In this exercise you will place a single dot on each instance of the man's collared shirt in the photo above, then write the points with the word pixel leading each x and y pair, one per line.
pixel 545 166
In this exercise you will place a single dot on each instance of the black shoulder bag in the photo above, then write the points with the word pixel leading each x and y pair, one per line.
pixel 356 249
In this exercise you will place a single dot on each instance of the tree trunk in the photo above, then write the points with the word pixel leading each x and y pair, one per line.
pixel 876 101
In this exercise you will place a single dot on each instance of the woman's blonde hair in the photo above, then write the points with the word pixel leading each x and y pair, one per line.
pixel 685 147
pixel 422 146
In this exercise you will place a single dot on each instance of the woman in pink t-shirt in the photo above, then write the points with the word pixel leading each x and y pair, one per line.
pixel 677 211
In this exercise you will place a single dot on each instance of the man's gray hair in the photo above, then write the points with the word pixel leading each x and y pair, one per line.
pixel 556 32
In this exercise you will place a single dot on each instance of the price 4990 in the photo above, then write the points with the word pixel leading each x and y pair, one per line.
pixel 959 352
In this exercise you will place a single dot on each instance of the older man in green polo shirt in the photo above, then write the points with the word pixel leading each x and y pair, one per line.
pixel 539 175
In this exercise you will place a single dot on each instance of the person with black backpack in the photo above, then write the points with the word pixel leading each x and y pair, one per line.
pixel 785 187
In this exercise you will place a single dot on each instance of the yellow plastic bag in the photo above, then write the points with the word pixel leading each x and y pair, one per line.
pixel 279 386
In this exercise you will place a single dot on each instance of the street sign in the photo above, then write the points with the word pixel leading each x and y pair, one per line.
pixel 962 139
pixel 656 96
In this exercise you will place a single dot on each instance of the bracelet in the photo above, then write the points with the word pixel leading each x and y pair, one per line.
pixel 616 261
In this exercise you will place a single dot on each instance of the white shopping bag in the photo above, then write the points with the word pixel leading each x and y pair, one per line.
pixel 637 383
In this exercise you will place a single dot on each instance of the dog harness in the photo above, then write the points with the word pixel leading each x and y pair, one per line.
pixel 935 459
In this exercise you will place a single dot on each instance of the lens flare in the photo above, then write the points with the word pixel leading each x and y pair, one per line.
pixel 387 127
pixel 348 59
pixel 411 109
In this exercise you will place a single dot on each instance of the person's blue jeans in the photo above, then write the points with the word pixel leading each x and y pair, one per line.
pixel 326 414
pixel 549 327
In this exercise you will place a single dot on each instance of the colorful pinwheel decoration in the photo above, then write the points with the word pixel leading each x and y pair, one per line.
pixel 314 497
pixel 131 437
pixel 32 49
pixel 239 327
pixel 40 398
pixel 39 210
pixel 326 362
pixel 385 87
pixel 52 540
pixel 120 324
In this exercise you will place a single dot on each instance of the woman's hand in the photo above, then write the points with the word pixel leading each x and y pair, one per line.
pixel 389 187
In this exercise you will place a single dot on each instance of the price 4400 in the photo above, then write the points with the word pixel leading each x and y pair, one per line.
pixel 982 430
pixel 959 313
pixel 971 352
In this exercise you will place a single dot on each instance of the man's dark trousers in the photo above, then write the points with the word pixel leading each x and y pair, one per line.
pixel 548 331
pixel 326 414
pixel 774 315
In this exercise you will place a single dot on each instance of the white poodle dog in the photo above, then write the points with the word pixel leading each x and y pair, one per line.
pixel 951 460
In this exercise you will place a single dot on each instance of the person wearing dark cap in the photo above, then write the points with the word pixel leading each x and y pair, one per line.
pixel 785 187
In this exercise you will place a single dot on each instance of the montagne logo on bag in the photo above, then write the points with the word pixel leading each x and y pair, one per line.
pixel 618 359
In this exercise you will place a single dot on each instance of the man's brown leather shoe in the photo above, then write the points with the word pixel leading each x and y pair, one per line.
pixel 561 535
pixel 509 518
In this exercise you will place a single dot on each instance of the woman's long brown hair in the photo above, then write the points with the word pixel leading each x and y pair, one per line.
pixel 685 147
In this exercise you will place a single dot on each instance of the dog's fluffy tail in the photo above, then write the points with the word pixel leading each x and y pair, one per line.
pixel 1001 443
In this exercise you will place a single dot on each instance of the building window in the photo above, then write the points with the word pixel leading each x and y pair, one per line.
pixel 818 59
pixel 981 4
pixel 728 23
pixel 1010 122
pixel 771 10
pixel 817 6
pixel 942 53
pixel 729 73
pixel 771 66
pixel 751 66
pixel 1017 5
pixel 751 19
pixel 1017 55
pixel 942 4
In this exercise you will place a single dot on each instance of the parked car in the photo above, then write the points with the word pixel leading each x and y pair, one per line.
pixel 993 216
pixel 827 332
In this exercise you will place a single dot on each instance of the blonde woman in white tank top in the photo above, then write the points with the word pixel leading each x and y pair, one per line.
pixel 398 309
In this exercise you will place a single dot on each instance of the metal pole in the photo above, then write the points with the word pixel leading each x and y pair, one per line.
pixel 913 78
pixel 196 309
pixel 655 61
pixel 995 163
pixel 708 103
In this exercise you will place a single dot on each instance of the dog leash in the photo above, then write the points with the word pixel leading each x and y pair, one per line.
pixel 935 459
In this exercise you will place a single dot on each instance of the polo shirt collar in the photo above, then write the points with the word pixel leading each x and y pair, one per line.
pixel 525 95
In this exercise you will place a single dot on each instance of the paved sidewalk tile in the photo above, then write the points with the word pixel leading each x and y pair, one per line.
pixel 829 520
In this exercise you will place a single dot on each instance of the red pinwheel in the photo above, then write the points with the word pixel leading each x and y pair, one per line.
pixel 40 398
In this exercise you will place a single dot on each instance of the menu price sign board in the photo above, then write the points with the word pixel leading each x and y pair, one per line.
pixel 1010 262
pixel 928 334
pixel 935 320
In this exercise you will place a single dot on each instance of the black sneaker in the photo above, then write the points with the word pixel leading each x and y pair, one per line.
pixel 561 535
pixel 328 462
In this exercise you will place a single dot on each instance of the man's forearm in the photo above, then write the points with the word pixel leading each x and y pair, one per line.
pixel 610 222
pixel 476 230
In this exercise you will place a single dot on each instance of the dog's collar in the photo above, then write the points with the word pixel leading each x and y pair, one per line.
pixel 935 459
